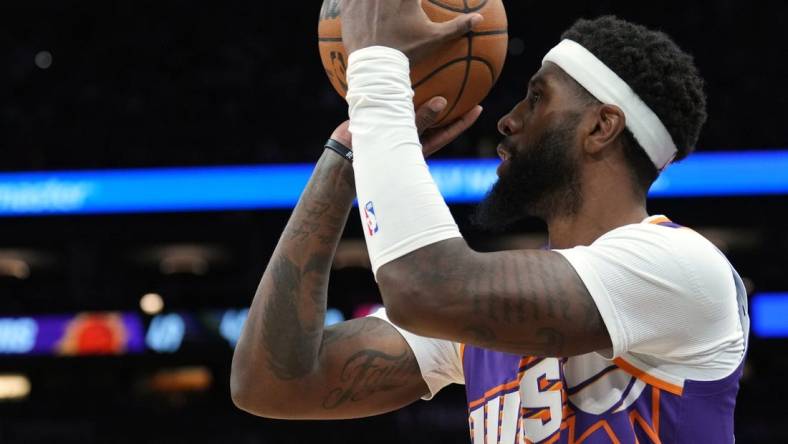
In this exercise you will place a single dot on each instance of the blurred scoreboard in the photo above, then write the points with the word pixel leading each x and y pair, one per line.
pixel 81 334
pixel 119 333
pixel 115 333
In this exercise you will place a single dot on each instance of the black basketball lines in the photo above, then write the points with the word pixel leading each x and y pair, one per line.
pixel 339 66
pixel 466 9
pixel 469 57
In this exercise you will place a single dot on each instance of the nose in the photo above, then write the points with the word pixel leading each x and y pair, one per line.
pixel 509 125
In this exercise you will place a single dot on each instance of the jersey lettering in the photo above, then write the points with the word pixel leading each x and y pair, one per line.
pixel 542 403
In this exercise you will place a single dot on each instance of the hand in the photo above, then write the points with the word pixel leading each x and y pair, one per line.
pixel 432 139
pixel 399 24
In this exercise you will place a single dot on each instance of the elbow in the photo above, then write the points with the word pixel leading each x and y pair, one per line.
pixel 401 317
pixel 420 290
pixel 253 401
pixel 241 393
pixel 248 395
pixel 237 396
pixel 409 304
pixel 258 396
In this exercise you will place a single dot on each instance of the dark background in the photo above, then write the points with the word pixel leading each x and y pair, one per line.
pixel 173 82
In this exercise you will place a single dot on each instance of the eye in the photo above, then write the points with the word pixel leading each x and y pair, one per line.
pixel 534 97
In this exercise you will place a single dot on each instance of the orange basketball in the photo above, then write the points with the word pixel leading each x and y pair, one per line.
pixel 463 72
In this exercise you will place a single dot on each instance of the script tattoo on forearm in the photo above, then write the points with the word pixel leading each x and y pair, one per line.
pixel 371 371
pixel 295 284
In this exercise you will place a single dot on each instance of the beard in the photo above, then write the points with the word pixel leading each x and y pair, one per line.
pixel 542 180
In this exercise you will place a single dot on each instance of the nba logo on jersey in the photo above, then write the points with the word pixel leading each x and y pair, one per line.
pixel 370 219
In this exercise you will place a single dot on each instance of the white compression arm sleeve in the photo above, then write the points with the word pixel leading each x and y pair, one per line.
pixel 400 205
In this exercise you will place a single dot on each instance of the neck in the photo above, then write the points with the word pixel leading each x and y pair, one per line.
pixel 601 211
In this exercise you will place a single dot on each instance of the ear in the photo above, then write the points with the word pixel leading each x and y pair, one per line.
pixel 607 123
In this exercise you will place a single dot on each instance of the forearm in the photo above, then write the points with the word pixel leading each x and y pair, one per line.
pixel 393 181
pixel 282 335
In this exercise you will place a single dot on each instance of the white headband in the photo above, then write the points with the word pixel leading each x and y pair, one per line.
pixel 610 89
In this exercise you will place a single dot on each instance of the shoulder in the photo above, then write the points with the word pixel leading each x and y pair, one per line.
pixel 678 253
pixel 664 292
pixel 671 268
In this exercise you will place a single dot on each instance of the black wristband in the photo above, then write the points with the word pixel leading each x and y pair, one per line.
pixel 340 149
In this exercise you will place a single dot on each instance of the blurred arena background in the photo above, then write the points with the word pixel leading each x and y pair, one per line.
pixel 122 291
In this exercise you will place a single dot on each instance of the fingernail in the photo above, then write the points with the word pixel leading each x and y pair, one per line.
pixel 476 19
pixel 437 105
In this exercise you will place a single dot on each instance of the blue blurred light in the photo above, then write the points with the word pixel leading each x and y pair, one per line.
pixel 769 313
pixel 743 173
pixel 17 335
pixel 165 333
pixel 333 316
pixel 279 186
pixel 231 325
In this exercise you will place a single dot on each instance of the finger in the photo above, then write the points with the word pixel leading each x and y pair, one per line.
pixel 440 137
pixel 428 113
pixel 458 26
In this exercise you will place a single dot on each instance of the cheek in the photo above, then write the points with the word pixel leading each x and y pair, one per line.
pixel 534 126
pixel 527 143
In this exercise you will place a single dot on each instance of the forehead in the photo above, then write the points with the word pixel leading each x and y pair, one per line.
pixel 558 84
pixel 553 77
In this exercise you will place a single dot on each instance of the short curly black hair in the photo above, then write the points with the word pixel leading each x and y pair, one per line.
pixel 664 76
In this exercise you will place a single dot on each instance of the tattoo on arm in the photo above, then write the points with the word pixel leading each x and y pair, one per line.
pixel 561 312
pixel 294 288
pixel 529 302
pixel 368 371
pixel 290 355
pixel 352 369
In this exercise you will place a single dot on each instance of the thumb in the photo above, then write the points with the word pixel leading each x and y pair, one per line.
pixel 459 26
pixel 427 114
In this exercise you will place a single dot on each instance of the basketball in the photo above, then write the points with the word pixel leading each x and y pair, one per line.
pixel 463 71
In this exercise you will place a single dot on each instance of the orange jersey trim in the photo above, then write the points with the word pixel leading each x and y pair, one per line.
pixel 659 220
pixel 499 388
pixel 647 378
pixel 493 391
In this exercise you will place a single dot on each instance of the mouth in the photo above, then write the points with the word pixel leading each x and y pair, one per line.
pixel 504 165
pixel 506 148
pixel 503 152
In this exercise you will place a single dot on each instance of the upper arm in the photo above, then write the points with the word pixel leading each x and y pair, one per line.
pixel 525 302
pixel 365 368
pixel 642 289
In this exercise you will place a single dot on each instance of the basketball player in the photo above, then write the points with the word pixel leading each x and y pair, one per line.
pixel 629 328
